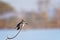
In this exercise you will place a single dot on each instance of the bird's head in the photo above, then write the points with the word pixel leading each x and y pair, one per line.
pixel 24 23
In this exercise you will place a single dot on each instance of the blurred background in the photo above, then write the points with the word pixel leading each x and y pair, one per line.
pixel 42 16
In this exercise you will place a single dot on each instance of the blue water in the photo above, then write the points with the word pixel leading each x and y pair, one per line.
pixel 53 34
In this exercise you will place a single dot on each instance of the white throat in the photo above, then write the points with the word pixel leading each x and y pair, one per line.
pixel 23 25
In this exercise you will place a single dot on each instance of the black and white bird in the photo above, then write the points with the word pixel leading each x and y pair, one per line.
pixel 21 24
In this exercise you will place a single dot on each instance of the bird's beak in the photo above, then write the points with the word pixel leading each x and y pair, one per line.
pixel 26 23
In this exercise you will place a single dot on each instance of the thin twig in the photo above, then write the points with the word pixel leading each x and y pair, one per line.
pixel 15 35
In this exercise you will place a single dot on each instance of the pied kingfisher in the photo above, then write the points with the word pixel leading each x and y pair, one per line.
pixel 21 24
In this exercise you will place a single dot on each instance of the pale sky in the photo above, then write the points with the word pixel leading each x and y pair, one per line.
pixel 32 4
